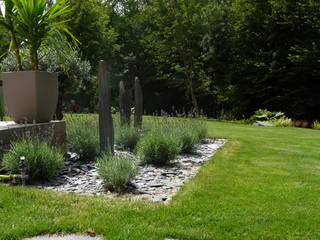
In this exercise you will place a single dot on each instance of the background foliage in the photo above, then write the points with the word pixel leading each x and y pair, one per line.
pixel 227 57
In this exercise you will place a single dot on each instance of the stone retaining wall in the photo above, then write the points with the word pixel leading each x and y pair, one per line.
pixel 54 132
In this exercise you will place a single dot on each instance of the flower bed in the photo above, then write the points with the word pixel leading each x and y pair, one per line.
pixel 158 184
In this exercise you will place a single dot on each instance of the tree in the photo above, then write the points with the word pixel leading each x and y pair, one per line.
pixel 218 57
pixel 269 70
pixel 129 21
pixel 4 40
pixel 7 21
pixel 174 42
pixel 91 26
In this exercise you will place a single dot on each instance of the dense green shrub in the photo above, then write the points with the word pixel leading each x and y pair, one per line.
pixel 163 138
pixel 158 147
pixel 117 171
pixel 266 115
pixel 316 125
pixel 83 136
pixel 201 129
pixel 282 122
pixel 277 119
pixel 127 137
pixel 43 161
pixel 188 140
pixel 189 132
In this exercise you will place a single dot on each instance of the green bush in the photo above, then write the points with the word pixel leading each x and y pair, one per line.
pixel 188 140
pixel 282 122
pixel 43 161
pixel 316 125
pixel 116 171
pixel 201 129
pixel 158 147
pixel 127 137
pixel 277 119
pixel 190 132
pixel 83 136
pixel 265 115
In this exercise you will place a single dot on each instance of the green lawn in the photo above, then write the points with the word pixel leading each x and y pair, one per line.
pixel 264 184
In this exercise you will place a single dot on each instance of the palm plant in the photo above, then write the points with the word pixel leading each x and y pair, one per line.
pixel 7 20
pixel 37 25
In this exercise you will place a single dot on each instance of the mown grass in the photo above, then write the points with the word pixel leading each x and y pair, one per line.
pixel 264 184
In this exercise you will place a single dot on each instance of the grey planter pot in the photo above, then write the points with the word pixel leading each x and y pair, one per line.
pixel 30 96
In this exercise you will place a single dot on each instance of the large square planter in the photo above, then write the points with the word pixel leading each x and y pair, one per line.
pixel 30 96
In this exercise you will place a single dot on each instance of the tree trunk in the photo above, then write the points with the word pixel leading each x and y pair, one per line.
pixel 138 102
pixel 59 109
pixel 125 98
pixel 33 58
pixel 194 100
pixel 190 77
pixel 17 52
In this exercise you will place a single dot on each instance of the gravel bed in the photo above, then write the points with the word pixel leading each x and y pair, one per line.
pixel 157 184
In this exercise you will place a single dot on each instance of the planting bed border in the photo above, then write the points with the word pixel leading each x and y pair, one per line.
pixel 157 184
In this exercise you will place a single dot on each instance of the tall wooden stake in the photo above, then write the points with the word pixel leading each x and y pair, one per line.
pixel 106 130
pixel 138 100
pixel 124 104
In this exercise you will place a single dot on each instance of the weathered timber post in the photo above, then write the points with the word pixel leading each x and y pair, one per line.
pixel 106 130
pixel 124 104
pixel 138 100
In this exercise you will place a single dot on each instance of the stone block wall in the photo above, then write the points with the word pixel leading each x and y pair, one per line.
pixel 54 132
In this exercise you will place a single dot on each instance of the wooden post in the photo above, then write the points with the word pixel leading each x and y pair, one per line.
pixel 106 130
pixel 124 104
pixel 138 100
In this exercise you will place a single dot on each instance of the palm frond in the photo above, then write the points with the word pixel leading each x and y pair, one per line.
pixel 36 24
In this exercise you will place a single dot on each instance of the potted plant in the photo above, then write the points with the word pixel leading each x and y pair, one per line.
pixel 32 95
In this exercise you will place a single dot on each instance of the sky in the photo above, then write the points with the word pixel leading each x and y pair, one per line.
pixel 1 6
